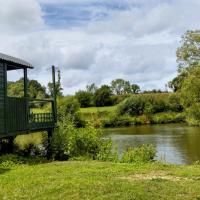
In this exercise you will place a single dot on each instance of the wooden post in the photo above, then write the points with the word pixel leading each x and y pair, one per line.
pixel 5 100
pixel 26 97
pixel 54 94
pixel 10 144
pixel 49 148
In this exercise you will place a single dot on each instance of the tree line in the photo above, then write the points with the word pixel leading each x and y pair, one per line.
pixel 105 95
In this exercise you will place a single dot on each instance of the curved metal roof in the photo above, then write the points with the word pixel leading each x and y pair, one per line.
pixel 14 61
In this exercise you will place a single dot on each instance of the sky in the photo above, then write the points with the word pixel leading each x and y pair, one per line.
pixel 96 41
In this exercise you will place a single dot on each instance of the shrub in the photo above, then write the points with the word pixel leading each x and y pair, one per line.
pixel 67 105
pixel 174 103
pixel 69 142
pixel 168 117
pixel 115 120
pixel 84 98
pixel 144 153
pixel 106 152
pixel 141 104
pixel 102 96
pixel 132 106
pixel 193 114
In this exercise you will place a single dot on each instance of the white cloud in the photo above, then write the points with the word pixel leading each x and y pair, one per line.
pixel 20 16
pixel 138 43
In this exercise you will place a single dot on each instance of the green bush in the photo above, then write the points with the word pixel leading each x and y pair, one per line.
pixel 69 142
pixel 144 153
pixel 174 103
pixel 142 104
pixel 67 105
pixel 193 114
pixel 84 98
pixel 131 106
pixel 115 120
pixel 106 152
pixel 168 117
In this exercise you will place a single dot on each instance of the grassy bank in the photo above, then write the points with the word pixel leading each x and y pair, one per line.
pixel 99 180
pixel 107 117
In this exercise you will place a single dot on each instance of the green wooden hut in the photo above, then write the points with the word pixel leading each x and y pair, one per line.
pixel 15 115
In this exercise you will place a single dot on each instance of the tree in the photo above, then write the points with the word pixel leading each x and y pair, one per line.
pixel 134 89
pixel 188 57
pixel 35 89
pixel 190 91
pixel 190 96
pixel 84 98
pixel 176 83
pixel 58 86
pixel 188 54
pixel 120 86
pixel 91 88
pixel 102 96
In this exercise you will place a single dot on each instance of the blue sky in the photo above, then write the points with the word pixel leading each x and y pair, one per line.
pixel 98 41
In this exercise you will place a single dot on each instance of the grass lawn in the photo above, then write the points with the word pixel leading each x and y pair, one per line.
pixel 99 180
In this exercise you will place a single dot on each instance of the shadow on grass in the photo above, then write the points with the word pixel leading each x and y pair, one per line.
pixel 16 160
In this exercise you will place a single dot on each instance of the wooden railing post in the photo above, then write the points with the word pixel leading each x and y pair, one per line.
pixel 26 97
pixel 54 94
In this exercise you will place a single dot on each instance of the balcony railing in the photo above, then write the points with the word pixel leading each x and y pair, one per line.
pixel 41 120
pixel 20 118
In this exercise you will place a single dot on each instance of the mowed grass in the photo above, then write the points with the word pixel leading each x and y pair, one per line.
pixel 100 180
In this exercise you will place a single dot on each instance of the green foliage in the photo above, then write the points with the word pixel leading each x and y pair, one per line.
pixel 106 152
pixel 114 120
pixel 188 57
pixel 193 114
pixel 120 87
pixel 188 54
pixel 190 96
pixel 174 102
pixel 36 90
pixel 131 106
pixel 69 142
pixel 142 104
pixel 144 153
pixel 92 88
pixel 58 87
pixel 67 105
pixel 116 99
pixel 190 91
pixel 85 98
pixel 102 96
pixel 168 117
pixel 176 83
pixel 13 160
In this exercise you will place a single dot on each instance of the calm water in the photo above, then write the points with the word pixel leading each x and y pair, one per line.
pixel 178 144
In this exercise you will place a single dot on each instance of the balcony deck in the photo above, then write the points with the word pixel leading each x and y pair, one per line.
pixel 20 119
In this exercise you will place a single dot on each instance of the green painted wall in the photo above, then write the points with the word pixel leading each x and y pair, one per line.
pixel 2 99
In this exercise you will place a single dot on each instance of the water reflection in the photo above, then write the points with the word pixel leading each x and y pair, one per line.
pixel 179 144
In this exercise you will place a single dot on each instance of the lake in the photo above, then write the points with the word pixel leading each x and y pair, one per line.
pixel 175 143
